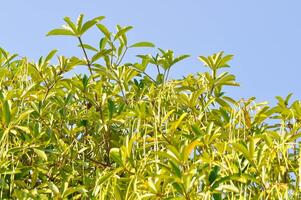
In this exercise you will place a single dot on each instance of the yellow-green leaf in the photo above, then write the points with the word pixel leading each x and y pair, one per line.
pixel 41 154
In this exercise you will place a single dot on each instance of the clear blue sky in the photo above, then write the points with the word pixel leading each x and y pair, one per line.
pixel 264 35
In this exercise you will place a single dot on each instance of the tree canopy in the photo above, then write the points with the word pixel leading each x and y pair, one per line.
pixel 117 132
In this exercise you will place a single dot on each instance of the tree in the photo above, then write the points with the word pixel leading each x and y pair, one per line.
pixel 118 132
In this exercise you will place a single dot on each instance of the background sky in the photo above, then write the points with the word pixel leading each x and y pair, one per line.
pixel 264 35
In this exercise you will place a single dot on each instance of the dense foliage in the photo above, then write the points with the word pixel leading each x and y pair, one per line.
pixel 118 132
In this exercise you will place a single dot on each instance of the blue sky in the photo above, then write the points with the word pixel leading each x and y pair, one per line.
pixel 264 35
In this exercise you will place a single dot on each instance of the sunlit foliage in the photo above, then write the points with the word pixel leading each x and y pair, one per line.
pixel 118 132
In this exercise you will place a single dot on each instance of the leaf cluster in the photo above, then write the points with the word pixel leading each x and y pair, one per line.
pixel 118 132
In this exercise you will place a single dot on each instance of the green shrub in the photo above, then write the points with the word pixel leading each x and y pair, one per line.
pixel 117 132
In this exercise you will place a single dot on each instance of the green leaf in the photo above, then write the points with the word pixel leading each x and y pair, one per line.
pixel 24 115
pixel 167 115
pixel 189 148
pixel 111 107
pixel 174 153
pixel 90 24
pixel 6 112
pixel 209 128
pixel 102 43
pixel 115 156
pixel 175 168
pixel 178 59
pixel 79 189
pixel 40 153
pixel 89 47
pixel 104 30
pixel 122 31
pixel 60 32
pixel 294 137
pixel 224 61
pixel 228 188
pixel 152 186
pixel 241 148
pixel 71 25
pixel 104 178
pixel 79 21
pixel 178 187
pixel 177 123
pixel 50 55
pixel 205 61
pixel 54 188
pixel 217 196
pixel 195 128
pixel 100 54
pixel 23 128
pixel 85 81
pixel 143 44
pixel 213 174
